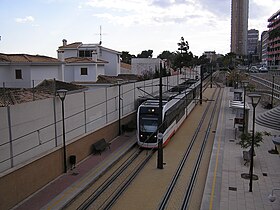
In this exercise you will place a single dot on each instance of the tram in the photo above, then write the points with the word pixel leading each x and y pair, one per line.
pixel 177 103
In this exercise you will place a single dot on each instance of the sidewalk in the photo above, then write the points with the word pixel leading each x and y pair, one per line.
pixel 65 187
pixel 225 189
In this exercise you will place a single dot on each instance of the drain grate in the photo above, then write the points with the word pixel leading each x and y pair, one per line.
pixel 264 174
pixel 232 188
pixel 232 140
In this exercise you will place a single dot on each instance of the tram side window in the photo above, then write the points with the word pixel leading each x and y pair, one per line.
pixel 181 109
pixel 170 116
pixel 189 98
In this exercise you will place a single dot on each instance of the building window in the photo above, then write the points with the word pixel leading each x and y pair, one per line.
pixel 85 53
pixel 84 71
pixel 18 74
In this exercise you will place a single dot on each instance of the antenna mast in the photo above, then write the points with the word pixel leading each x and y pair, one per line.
pixel 100 35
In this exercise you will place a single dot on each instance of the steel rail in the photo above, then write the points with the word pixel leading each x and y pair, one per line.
pixel 128 181
pixel 196 168
pixel 183 161
pixel 105 184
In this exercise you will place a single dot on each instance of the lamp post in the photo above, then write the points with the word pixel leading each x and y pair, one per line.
pixel 159 136
pixel 255 100
pixel 244 85
pixel 62 94
pixel 211 76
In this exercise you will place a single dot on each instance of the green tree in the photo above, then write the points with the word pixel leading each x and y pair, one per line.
pixel 145 54
pixel 168 56
pixel 246 139
pixel 126 57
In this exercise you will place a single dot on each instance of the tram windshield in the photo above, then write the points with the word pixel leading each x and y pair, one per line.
pixel 148 124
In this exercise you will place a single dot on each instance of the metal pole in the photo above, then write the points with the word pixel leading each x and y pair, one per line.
pixel 4 92
pixel 160 149
pixel 10 136
pixel 252 153
pixel 85 112
pixel 244 111
pixel 63 135
pixel 120 131
pixel 33 90
pixel 211 76
pixel 200 101
pixel 272 91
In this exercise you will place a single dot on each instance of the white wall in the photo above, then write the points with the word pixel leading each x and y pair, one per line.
pixel 8 76
pixel 68 73
pixel 39 73
pixel 112 68
pixel 70 53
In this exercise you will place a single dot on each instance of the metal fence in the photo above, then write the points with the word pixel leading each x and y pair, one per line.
pixel 31 130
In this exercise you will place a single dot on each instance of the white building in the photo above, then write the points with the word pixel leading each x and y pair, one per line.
pixel 84 62
pixel 24 71
pixel 144 66
pixel 76 62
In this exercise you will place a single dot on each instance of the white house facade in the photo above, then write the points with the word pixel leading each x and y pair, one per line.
pixel 83 69
pixel 24 71
pixel 97 59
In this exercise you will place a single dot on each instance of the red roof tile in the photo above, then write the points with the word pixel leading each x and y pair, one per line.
pixel 25 58
pixel 72 45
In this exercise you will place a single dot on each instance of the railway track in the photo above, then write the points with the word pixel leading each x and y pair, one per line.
pixel 104 192
pixel 174 198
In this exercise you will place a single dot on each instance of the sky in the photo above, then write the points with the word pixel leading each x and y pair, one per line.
pixel 39 26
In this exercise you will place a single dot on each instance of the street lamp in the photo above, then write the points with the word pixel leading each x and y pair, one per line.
pixel 272 197
pixel 255 100
pixel 62 94
pixel 160 136
pixel 244 85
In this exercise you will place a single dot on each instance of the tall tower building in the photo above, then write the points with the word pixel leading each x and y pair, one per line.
pixel 239 26
pixel 252 43
pixel 273 42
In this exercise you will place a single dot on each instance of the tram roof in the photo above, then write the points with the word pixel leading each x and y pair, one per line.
pixel 173 92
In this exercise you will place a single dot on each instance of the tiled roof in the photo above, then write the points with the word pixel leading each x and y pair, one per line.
pixel 11 96
pixel 114 79
pixel 83 60
pixel 72 45
pixel 25 58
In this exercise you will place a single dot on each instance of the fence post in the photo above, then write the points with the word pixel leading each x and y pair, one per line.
pixel 4 92
pixel 106 105
pixel 85 111
pixel 10 136
pixel 33 90
pixel 54 112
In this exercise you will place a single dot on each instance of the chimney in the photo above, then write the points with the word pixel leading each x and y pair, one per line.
pixel 64 42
